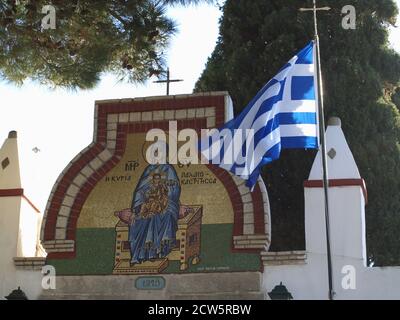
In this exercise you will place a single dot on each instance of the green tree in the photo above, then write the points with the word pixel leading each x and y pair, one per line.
pixel 124 37
pixel 361 78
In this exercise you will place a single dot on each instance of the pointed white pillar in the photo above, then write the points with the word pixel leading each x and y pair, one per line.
pixel 10 206
pixel 19 223
pixel 9 164
pixel 347 200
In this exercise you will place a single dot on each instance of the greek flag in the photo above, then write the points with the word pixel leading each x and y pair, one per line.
pixel 283 115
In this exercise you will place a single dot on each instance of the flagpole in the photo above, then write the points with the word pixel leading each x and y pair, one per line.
pixel 323 152
pixel 323 143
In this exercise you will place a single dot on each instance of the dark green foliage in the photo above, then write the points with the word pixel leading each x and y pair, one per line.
pixel 125 37
pixel 396 98
pixel 361 78
pixel 186 2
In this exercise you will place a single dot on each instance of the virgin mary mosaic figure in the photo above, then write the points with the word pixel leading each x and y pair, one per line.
pixel 153 216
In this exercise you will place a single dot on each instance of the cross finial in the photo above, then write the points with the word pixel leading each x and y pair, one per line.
pixel 168 81
pixel 315 9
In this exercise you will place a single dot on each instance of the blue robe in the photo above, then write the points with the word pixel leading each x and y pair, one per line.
pixel 155 236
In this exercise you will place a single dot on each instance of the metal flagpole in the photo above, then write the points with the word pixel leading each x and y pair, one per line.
pixel 323 144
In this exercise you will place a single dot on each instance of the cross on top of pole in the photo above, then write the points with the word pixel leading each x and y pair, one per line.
pixel 315 9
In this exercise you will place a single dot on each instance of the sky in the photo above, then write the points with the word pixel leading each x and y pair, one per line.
pixel 60 123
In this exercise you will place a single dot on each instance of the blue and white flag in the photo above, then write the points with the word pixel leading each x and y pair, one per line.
pixel 283 115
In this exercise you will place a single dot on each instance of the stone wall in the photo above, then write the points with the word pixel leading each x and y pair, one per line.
pixel 226 286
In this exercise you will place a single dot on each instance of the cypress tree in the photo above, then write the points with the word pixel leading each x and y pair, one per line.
pixel 361 78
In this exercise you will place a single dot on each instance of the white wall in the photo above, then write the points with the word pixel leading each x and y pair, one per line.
pixel 30 282
pixel 9 225
pixel 310 281
pixel 18 238
pixel 29 228
pixel 347 222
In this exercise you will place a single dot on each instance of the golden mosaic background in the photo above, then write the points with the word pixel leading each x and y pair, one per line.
pixel 108 197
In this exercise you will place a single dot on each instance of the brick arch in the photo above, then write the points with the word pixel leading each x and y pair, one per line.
pixel 114 120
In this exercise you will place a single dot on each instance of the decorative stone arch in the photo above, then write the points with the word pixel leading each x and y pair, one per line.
pixel 114 120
